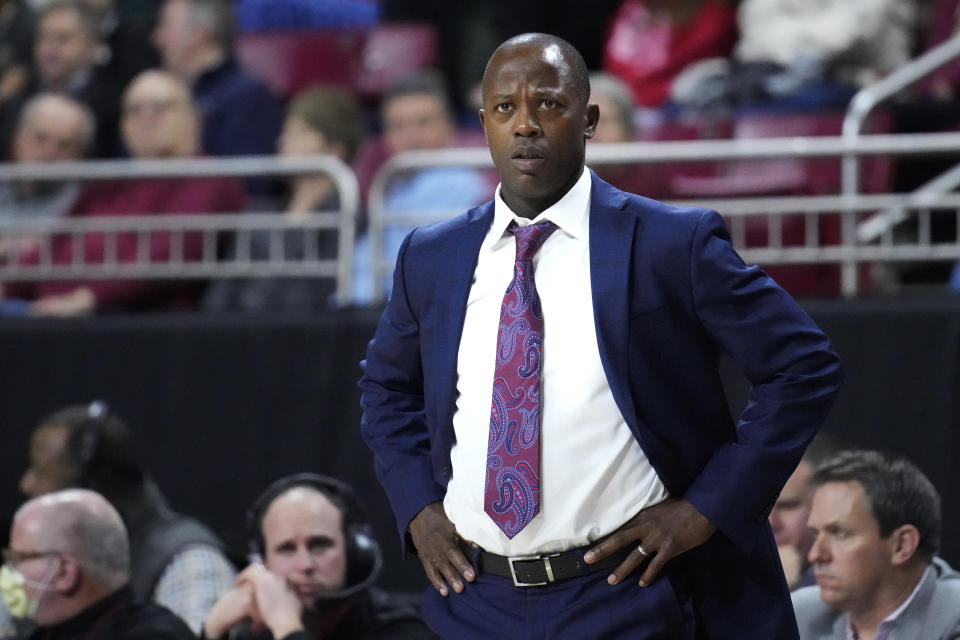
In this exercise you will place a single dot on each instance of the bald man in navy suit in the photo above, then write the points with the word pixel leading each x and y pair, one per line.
pixel 649 503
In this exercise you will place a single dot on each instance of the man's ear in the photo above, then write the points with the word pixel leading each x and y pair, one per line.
pixel 482 115
pixel 903 543
pixel 68 575
pixel 591 117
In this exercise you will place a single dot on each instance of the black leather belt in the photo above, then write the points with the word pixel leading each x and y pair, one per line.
pixel 536 571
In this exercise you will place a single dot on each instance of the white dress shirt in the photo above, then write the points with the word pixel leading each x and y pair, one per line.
pixel 594 476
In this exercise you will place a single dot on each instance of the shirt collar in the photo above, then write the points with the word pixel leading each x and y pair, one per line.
pixel 891 619
pixel 571 213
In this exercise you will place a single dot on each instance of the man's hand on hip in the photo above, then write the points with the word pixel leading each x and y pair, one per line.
pixel 659 533
pixel 438 546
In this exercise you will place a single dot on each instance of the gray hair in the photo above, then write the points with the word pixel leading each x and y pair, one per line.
pixel 423 82
pixel 88 123
pixel 619 94
pixel 89 19
pixel 217 16
pixel 82 524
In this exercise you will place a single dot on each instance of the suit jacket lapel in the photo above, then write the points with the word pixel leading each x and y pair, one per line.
pixel 911 623
pixel 611 246
pixel 452 290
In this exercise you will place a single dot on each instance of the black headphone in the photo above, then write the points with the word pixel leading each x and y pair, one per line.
pixel 100 448
pixel 88 437
pixel 364 557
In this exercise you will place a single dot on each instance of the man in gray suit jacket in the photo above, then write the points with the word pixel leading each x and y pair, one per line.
pixel 876 519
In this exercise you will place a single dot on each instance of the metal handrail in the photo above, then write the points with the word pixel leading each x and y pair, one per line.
pixel 651 153
pixel 341 174
pixel 863 103
pixel 857 111
pixel 208 226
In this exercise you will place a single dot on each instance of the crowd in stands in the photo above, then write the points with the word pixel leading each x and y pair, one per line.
pixel 670 70
pixel 96 552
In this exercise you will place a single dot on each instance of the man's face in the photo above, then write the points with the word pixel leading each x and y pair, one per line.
pixel 51 468
pixel 298 138
pixel 38 566
pixel 303 540
pixel 62 47
pixel 851 561
pixel 536 123
pixel 175 37
pixel 788 519
pixel 416 122
pixel 53 132
pixel 158 120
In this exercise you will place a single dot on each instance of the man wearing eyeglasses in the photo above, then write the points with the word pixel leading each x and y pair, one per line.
pixel 68 570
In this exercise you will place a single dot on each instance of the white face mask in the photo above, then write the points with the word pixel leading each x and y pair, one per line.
pixel 13 589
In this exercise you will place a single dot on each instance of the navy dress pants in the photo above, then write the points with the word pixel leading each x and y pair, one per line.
pixel 583 608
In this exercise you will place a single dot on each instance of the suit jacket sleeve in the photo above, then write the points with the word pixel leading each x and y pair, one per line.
pixel 394 423
pixel 793 371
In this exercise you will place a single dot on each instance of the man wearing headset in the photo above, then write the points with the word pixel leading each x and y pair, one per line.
pixel 175 560
pixel 313 562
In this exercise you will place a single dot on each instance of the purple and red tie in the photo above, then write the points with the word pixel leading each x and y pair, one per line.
pixel 512 488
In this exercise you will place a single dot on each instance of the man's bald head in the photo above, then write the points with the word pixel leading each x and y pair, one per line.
pixel 547 46
pixel 160 118
pixel 81 523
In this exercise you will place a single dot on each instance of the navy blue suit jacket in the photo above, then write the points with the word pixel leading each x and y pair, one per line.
pixel 669 295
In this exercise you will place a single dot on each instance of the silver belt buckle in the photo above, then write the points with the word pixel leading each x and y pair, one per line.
pixel 546 564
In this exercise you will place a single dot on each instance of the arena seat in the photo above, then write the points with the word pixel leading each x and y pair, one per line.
pixel 792 176
pixel 290 61
pixel 391 51
pixel 787 176
pixel 653 179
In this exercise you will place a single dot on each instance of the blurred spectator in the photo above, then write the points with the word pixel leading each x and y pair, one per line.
pixel 803 55
pixel 876 522
pixel 68 570
pixel 469 31
pixel 616 124
pixel 126 35
pixel 16 43
pixel 174 560
pixel 853 42
pixel 159 121
pixel 616 109
pixel 417 116
pixel 265 15
pixel 240 115
pixel 788 518
pixel 319 120
pixel 651 41
pixel 51 128
pixel 68 55
pixel 313 563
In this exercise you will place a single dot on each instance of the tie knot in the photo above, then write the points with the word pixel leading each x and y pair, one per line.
pixel 531 237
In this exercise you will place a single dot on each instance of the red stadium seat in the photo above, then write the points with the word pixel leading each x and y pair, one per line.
pixel 290 61
pixel 653 180
pixel 393 50
pixel 791 176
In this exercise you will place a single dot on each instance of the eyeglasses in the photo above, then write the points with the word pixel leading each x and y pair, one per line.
pixel 156 107
pixel 13 557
